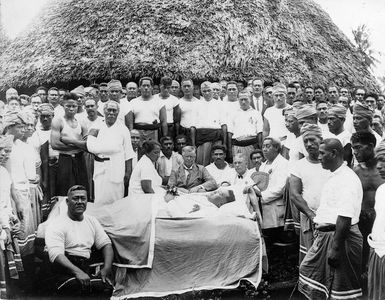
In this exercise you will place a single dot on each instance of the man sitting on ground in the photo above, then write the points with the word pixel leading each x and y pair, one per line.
pixel 69 239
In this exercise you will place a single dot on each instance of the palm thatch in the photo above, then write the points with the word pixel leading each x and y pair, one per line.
pixel 76 40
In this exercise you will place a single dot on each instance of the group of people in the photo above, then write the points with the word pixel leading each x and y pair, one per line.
pixel 321 150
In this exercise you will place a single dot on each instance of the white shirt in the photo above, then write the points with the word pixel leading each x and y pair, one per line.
pixel 88 124
pixel 38 138
pixel 341 196
pixel 5 197
pixel 21 165
pixel 144 170
pixel 324 128
pixel 74 237
pixel 343 137
pixel 115 143
pixel 59 111
pixel 166 165
pixel 376 239
pixel 276 122
pixel 278 172
pixel 169 103
pixel 245 180
pixel 189 112
pixel 313 178
pixel 348 124
pixel 229 109
pixel 220 176
pixel 146 111
pixel 210 114
pixel 124 108
pixel 246 123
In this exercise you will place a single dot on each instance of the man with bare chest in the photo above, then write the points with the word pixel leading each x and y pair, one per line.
pixel 363 146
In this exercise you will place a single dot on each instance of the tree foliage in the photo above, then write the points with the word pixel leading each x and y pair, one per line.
pixel 362 39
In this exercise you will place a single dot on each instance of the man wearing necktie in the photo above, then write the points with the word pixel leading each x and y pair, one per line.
pixel 257 100
pixel 191 177
pixel 242 176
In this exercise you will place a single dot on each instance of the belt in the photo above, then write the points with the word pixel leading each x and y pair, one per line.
pixel 244 143
pixel 327 228
pixel 101 159
pixel 71 155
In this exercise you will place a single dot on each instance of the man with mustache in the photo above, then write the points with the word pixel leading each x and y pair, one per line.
pixel 69 239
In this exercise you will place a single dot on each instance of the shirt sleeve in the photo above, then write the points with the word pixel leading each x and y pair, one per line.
pixel 346 195
pixel 55 241
pixel 275 190
pixel 127 146
pixel 259 120
pixel 147 171
pixel 101 237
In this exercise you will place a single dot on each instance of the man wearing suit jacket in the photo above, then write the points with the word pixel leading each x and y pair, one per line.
pixel 191 177
pixel 258 102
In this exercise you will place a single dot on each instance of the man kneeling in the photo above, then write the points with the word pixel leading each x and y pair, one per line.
pixel 69 239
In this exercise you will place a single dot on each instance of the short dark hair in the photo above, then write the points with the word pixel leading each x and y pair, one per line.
pixel 95 86
pixel 146 78
pixel 218 147
pixel 77 187
pixel 70 96
pixel 41 88
pixel 103 84
pixel 165 138
pixel 372 95
pixel 309 87
pixel 334 144
pixel 231 82
pixel 321 102
pixel 291 85
pixel 364 137
pixel 53 89
pixel 181 136
pixel 166 81
pixel 256 151
pixel 319 87
pixel 149 145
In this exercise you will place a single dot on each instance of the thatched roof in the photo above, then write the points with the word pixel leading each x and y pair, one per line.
pixel 76 40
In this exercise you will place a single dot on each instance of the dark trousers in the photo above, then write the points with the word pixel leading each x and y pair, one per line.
pixel 71 171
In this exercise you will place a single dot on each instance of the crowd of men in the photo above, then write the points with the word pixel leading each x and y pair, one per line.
pixel 321 148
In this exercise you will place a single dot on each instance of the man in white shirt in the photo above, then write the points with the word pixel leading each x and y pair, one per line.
pixel 348 125
pixel 115 94
pixel 362 119
pixel 170 103
pixel 210 128
pixel 148 114
pixel 332 266
pixel 69 239
pixel 103 94
pixel 219 169
pixel 53 98
pixel 322 114
pixel 241 175
pixel 247 126
pixel 274 124
pixel 132 90
pixel 186 114
pixel 135 142
pixel 168 159
pixel 175 89
pixel 111 144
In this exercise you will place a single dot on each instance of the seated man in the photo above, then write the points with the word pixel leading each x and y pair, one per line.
pixel 69 239
pixel 191 177
pixel 241 176
pixel 168 160
pixel 219 169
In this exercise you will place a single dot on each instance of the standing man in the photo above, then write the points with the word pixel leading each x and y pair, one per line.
pixel 211 128
pixel 359 95
pixel 306 180
pixel 186 113
pixel 309 94
pixel 322 114
pixel 333 95
pixel 348 124
pixel 332 267
pixel 291 94
pixel 257 101
pixel 274 125
pixel 67 138
pixel 53 98
pixel 148 114
pixel 132 90
pixel 336 120
pixel 363 147
pixel 115 94
pixel 135 142
pixel 111 145
pixel 168 159
pixel 219 169
pixel 42 92
pixel 103 93
pixel 175 89
pixel 170 103
pixel 362 120
pixel 247 126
